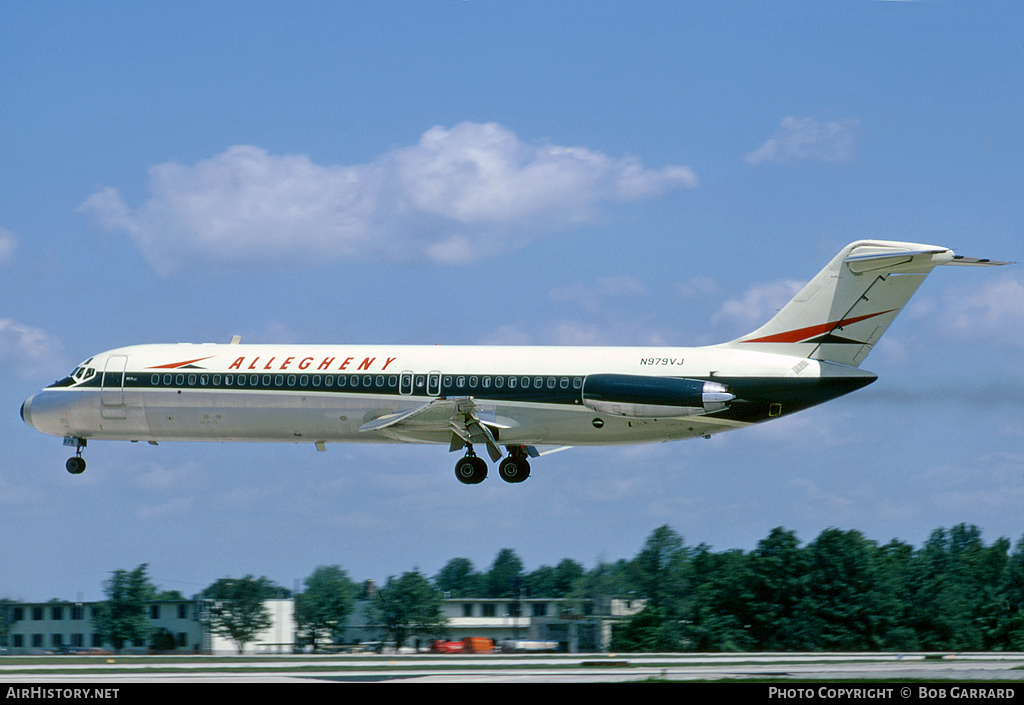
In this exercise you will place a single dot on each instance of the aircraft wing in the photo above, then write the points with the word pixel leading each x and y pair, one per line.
pixel 459 415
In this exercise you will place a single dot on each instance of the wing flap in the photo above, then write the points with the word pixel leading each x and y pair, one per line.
pixel 461 416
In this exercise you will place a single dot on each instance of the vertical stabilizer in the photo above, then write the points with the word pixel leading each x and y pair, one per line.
pixel 843 311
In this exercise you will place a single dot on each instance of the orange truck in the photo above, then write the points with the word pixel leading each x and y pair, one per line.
pixel 469 645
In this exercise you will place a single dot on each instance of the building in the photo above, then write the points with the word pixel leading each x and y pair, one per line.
pixel 62 627
pixel 574 626
pixel 67 627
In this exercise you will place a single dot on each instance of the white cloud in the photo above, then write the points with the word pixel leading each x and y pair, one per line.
pixel 992 313
pixel 8 243
pixel 29 351
pixel 700 287
pixel 458 195
pixel 595 296
pixel 756 306
pixel 807 139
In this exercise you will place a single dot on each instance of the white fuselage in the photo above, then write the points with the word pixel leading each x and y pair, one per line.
pixel 326 393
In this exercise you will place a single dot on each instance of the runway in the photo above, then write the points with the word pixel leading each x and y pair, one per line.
pixel 572 668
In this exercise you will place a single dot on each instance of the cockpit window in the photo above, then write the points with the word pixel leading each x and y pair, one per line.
pixel 83 373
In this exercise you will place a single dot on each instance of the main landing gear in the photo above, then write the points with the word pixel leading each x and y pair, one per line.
pixel 76 464
pixel 472 469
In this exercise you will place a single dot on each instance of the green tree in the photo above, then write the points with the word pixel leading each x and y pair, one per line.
pixel 720 617
pixel 840 609
pixel 659 570
pixel 459 578
pixel 323 608
pixel 650 630
pixel 778 569
pixel 893 561
pixel 1013 622
pixel 409 606
pixel 124 616
pixel 553 582
pixel 957 587
pixel 604 581
pixel 505 575
pixel 236 608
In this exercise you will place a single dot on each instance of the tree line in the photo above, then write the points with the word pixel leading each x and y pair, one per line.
pixel 840 592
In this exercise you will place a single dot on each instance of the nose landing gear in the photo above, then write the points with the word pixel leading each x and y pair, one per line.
pixel 76 464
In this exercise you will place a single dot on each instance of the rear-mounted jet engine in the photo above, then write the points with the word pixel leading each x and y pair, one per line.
pixel 654 397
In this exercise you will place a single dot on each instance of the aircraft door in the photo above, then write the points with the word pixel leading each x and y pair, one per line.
pixel 434 384
pixel 112 382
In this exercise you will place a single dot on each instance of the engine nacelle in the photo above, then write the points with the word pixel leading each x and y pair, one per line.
pixel 653 397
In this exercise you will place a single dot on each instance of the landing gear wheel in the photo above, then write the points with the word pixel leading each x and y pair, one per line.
pixel 75 465
pixel 514 469
pixel 471 470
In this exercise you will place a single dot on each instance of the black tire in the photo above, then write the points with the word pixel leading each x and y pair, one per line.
pixel 471 470
pixel 75 465
pixel 514 470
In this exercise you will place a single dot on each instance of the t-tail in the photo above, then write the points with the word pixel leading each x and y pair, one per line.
pixel 844 310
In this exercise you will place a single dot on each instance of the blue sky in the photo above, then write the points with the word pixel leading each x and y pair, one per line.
pixel 648 173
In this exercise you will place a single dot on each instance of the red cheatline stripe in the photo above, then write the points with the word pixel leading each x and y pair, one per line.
pixel 176 365
pixel 795 336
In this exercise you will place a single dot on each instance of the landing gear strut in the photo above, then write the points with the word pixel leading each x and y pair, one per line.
pixel 514 468
pixel 76 464
pixel 471 469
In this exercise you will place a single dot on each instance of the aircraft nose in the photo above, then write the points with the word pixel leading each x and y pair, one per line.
pixel 26 411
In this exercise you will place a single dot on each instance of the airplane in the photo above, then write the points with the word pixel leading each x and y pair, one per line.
pixel 531 400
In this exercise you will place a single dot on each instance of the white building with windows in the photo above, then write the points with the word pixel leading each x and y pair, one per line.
pixel 68 627
pixel 177 626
